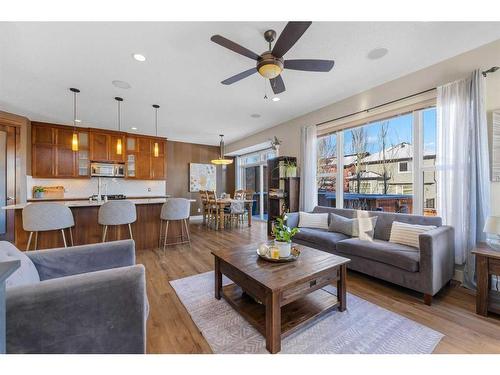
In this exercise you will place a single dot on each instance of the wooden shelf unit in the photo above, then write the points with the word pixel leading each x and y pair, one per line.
pixel 276 206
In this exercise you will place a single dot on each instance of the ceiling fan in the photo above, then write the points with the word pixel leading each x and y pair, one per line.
pixel 271 63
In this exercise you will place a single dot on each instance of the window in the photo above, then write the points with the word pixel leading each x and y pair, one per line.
pixel 386 165
pixel 327 170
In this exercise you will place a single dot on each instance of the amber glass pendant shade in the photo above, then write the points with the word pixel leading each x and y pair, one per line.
pixel 156 150
pixel 74 142
pixel 119 147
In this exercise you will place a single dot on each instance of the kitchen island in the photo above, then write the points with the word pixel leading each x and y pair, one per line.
pixel 146 229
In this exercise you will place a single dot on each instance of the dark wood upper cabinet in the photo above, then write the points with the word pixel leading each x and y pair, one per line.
pixel 52 155
pixel 99 146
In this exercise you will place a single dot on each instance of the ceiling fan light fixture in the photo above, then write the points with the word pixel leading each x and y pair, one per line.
pixel 269 66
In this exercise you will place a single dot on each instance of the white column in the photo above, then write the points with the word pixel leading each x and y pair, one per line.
pixel 339 193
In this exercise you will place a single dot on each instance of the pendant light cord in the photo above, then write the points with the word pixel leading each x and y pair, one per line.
pixel 119 117
pixel 156 121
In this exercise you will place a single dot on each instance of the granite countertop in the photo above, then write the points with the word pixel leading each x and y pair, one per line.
pixel 87 203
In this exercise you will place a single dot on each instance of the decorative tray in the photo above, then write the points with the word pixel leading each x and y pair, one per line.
pixel 294 255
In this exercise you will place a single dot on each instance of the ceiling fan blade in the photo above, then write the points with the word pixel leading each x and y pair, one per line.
pixel 291 33
pixel 310 65
pixel 235 47
pixel 239 76
pixel 277 85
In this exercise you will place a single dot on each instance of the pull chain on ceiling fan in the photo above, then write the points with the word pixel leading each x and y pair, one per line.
pixel 271 63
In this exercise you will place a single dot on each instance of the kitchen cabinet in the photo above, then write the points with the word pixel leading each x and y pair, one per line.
pixel 141 162
pixel 52 155
pixel 103 146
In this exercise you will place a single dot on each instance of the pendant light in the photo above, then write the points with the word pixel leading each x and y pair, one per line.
pixel 156 148
pixel 119 141
pixel 221 160
pixel 74 139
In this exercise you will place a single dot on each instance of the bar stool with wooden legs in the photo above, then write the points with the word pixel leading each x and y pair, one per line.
pixel 119 212
pixel 42 217
pixel 175 209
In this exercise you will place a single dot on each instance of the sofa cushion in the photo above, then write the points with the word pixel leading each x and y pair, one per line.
pixel 408 234
pixel 396 255
pixel 323 238
pixel 26 274
pixel 362 227
pixel 308 220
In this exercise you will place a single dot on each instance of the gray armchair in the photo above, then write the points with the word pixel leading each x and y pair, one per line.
pixel 90 299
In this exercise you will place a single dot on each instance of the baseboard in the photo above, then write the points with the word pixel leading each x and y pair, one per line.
pixel 458 275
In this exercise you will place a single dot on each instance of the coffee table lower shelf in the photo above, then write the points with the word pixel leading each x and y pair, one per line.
pixel 294 315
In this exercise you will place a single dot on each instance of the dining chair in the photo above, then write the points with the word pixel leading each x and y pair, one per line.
pixel 119 212
pixel 175 209
pixel 205 205
pixel 46 216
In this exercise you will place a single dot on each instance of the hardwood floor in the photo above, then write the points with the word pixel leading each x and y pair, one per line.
pixel 171 330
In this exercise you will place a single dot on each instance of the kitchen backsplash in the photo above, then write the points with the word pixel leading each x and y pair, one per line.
pixel 76 188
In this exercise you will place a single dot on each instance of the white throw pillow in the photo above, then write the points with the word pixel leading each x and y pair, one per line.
pixel 318 221
pixel 407 234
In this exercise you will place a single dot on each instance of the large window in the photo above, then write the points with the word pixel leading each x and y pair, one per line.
pixel 383 167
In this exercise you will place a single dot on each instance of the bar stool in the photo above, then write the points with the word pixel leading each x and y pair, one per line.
pixel 42 217
pixel 177 209
pixel 119 212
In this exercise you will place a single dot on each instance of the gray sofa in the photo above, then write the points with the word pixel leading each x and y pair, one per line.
pixel 82 299
pixel 425 271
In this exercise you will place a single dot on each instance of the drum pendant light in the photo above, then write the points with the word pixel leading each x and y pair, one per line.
pixel 74 139
pixel 221 160
pixel 119 141
pixel 156 148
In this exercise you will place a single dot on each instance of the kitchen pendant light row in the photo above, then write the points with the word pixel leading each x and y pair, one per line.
pixel 119 145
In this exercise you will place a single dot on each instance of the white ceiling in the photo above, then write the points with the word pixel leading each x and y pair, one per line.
pixel 40 61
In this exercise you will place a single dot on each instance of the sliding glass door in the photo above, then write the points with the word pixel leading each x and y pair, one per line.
pixel 252 177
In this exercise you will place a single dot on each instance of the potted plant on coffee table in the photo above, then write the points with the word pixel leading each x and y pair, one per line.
pixel 283 236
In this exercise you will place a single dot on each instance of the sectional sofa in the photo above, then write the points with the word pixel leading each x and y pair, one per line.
pixel 425 270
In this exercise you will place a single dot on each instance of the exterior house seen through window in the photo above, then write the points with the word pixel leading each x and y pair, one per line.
pixel 379 163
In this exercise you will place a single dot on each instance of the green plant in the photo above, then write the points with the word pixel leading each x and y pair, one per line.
pixel 282 232
pixel 38 189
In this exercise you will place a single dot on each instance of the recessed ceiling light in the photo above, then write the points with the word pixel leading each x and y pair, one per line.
pixel 255 115
pixel 276 99
pixel 377 53
pixel 121 84
pixel 139 57
pixel 77 120
pixel 133 128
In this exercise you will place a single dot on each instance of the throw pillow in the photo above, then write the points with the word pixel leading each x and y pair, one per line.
pixel 362 227
pixel 407 234
pixel 318 221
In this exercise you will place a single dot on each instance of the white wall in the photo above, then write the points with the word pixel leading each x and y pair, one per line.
pixel 83 188
pixel 446 71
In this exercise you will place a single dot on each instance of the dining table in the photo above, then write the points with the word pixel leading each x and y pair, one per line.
pixel 226 202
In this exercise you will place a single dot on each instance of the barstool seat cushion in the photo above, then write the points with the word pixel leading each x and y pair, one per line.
pixel 175 209
pixel 118 212
pixel 26 274
pixel 39 217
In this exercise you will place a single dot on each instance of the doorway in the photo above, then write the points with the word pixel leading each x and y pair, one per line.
pixel 9 146
pixel 252 176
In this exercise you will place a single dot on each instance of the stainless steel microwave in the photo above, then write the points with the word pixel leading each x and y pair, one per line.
pixel 107 170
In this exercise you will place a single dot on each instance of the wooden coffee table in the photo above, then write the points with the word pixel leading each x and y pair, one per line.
pixel 279 298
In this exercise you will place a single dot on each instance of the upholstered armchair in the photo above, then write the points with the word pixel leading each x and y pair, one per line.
pixel 83 299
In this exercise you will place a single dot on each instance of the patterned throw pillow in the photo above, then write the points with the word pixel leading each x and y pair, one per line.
pixel 318 221
pixel 407 234
pixel 362 227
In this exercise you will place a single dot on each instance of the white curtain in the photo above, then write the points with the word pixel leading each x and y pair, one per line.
pixel 462 165
pixel 308 189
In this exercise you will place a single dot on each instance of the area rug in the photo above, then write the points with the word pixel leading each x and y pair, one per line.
pixel 362 328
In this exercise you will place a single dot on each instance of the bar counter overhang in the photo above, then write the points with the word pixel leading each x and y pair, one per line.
pixel 146 229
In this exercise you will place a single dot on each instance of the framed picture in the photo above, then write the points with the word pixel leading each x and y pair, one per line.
pixel 202 177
